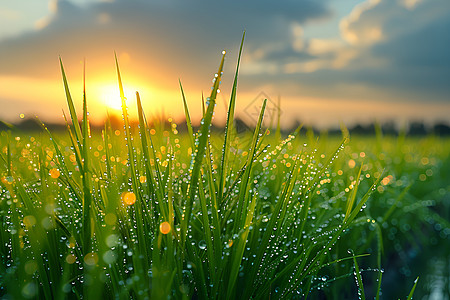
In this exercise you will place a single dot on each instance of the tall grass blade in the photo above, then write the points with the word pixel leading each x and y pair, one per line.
pixel 188 118
pixel 87 200
pixel 359 282
pixel 243 198
pixel 351 199
pixel 201 144
pixel 411 293
pixel 229 128
pixel 73 113
pixel 142 245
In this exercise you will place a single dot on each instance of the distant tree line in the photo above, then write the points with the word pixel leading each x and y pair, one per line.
pixel 415 128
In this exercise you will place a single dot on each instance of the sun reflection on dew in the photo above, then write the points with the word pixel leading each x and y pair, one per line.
pixel 164 227
pixel 70 259
pixel 91 259
pixel 54 173
pixel 129 198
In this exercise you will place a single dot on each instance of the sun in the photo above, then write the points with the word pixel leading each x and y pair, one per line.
pixel 110 97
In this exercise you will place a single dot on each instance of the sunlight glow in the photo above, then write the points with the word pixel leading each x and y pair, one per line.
pixel 110 96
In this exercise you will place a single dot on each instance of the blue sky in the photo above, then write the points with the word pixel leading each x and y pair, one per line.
pixel 328 61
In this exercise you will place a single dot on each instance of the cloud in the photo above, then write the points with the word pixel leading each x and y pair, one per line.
pixel 162 38
pixel 413 50
pixel 394 50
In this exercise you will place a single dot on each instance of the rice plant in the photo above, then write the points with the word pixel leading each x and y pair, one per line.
pixel 144 213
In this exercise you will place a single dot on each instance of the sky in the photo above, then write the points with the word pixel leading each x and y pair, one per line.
pixel 320 62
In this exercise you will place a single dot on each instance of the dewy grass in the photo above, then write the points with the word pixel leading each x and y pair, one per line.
pixel 129 215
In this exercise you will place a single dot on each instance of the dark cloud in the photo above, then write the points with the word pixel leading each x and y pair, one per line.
pixel 401 53
pixel 415 55
pixel 163 38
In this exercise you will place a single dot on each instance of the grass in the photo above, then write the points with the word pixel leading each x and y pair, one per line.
pixel 147 212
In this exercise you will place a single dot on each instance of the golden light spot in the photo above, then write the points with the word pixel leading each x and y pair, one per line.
pixel 54 173
pixel 152 131
pixel 351 163
pixel 143 179
pixel 117 132
pixel 70 259
pixel 29 221
pixel 245 153
pixel 91 259
pixel 166 133
pixel 424 161
pixel 422 177
pixel 288 165
pixel 362 154
pixel 22 116
pixel 230 243
pixel 129 198
pixel 110 219
pixel 340 172
pixel 386 180
pixel 72 158
pixel 164 227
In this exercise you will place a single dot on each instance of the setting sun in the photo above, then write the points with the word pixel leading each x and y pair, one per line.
pixel 109 95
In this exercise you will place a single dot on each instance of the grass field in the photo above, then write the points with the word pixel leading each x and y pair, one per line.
pixel 149 212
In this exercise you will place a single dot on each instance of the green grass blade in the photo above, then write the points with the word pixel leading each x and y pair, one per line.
pixel 357 273
pixel 142 245
pixel 147 166
pixel 200 150
pixel 379 279
pixel 351 199
pixel 239 249
pixel 188 118
pixel 244 188
pixel 73 113
pixel 229 128
pixel 87 199
pixel 411 293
